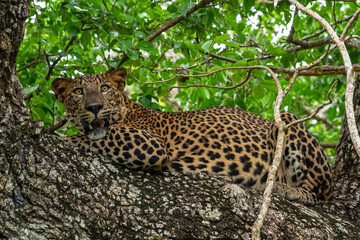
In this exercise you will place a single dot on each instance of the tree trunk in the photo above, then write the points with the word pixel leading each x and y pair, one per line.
pixel 347 166
pixel 47 191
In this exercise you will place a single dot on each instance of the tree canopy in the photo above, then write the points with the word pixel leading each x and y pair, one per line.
pixel 178 54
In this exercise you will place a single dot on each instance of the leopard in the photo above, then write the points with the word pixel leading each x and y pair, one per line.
pixel 218 140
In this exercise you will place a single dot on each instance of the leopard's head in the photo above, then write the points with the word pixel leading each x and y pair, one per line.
pixel 91 100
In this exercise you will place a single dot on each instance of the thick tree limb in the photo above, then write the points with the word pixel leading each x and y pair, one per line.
pixel 70 195
pixel 318 71
pixel 302 45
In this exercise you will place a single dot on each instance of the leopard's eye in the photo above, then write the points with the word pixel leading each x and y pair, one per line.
pixel 78 91
pixel 105 88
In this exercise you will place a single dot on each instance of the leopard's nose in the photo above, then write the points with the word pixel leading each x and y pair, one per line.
pixel 94 108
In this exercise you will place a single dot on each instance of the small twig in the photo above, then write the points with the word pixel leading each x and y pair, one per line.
pixel 302 44
pixel 157 62
pixel 350 79
pixel 217 87
pixel 179 68
pixel 297 71
pixel 89 28
pixel 348 25
pixel 200 26
pixel 328 144
pixel 146 83
pixel 305 44
pixel 329 101
pixel 168 25
pixel 324 30
pixel 30 64
pixel 262 57
pixel 52 66
pixel 228 68
pixel 182 68
pixel 113 6
pixel 323 119
pixel 268 2
pixel 57 125
pixel 334 14
pixel 318 43
pixel 36 60
pixel 104 3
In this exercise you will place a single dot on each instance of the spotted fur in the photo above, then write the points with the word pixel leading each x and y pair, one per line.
pixel 218 140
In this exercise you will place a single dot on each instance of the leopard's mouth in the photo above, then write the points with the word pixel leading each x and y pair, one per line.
pixel 97 129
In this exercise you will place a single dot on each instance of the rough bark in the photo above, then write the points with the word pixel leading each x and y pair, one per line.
pixel 54 193
pixel 47 191
pixel 12 24
pixel 347 165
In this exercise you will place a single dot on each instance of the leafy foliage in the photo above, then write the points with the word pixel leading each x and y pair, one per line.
pixel 83 37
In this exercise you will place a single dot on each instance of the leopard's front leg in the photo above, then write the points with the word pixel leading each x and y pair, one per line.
pixel 134 148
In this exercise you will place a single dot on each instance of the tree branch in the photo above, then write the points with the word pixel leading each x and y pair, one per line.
pixel 323 30
pixel 350 79
pixel 314 71
pixel 328 144
pixel 52 66
pixel 262 57
pixel 256 228
pixel 168 25
pixel 318 71
pixel 302 44
pixel 57 125
pixel 217 87
pixel 35 61
pixel 329 101
pixel 348 25
pixel 323 119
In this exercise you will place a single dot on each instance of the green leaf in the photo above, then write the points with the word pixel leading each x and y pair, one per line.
pixel 230 44
pixel 74 30
pixel 126 45
pixel 30 89
pixel 258 93
pixel 80 9
pixel 296 22
pixel 221 37
pixel 132 54
pixel 269 85
pixel 248 5
pixel 114 34
pixel 185 7
pixel 85 39
pixel 146 46
pixel 249 53
pixel 206 46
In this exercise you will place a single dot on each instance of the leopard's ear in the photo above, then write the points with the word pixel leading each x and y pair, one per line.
pixel 118 78
pixel 61 86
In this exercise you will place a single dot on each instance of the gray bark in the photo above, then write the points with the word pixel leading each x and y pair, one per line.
pixel 52 193
pixel 49 192
pixel 347 166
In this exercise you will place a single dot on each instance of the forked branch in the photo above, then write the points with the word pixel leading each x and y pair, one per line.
pixel 350 74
